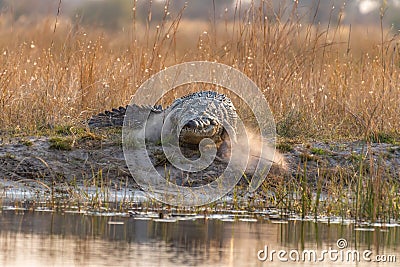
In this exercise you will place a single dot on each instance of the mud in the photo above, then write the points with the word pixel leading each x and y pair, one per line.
pixel 88 159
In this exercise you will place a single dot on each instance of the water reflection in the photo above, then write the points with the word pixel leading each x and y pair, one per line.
pixel 53 239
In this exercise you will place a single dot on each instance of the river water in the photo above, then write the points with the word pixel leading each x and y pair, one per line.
pixel 73 239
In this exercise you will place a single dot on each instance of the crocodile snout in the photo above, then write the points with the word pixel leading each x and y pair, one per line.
pixel 198 124
pixel 196 129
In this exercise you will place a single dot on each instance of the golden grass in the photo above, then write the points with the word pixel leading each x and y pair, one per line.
pixel 324 82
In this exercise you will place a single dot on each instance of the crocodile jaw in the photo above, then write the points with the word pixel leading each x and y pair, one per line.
pixel 193 136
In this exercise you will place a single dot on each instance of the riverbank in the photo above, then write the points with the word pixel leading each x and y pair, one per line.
pixel 345 179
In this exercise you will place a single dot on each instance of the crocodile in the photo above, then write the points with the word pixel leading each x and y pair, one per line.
pixel 204 114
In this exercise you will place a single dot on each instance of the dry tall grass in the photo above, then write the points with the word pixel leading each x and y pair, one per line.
pixel 321 81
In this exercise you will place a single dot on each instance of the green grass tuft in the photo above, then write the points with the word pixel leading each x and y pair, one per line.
pixel 61 143
pixel 318 151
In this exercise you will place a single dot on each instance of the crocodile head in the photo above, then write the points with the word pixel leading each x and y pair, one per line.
pixel 202 115
pixel 198 128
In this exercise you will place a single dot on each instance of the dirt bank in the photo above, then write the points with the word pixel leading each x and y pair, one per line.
pixel 51 161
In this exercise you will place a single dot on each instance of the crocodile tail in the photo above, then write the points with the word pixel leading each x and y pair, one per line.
pixel 108 118
pixel 116 116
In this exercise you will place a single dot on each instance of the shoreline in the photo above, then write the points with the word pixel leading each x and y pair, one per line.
pixel 93 171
